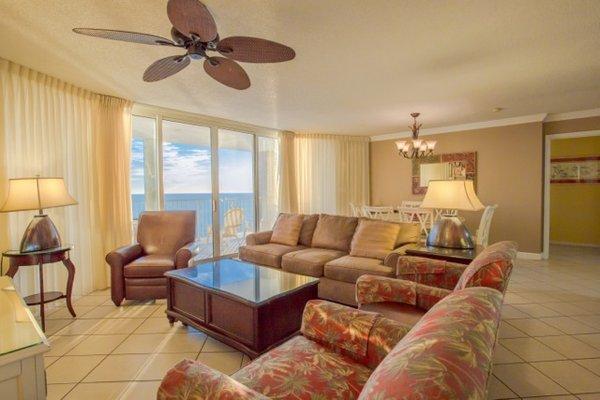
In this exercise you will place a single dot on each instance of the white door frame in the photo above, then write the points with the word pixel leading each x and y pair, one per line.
pixel 547 156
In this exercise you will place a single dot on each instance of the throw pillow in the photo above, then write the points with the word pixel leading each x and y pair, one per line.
pixel 334 232
pixel 287 229
pixel 374 239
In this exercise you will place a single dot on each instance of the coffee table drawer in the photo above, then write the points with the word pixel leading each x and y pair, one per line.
pixel 188 300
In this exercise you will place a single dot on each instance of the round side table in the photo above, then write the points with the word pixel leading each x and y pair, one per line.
pixel 17 259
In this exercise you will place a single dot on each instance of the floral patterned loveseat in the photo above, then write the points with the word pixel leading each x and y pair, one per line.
pixel 344 353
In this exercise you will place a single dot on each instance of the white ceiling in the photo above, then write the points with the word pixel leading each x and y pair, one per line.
pixel 362 65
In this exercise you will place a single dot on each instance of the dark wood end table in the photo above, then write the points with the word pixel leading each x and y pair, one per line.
pixel 17 259
pixel 441 253
pixel 249 307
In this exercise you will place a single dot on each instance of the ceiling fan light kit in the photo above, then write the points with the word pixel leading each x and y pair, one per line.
pixel 194 29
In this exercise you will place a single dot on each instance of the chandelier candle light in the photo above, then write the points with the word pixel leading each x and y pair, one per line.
pixel 415 148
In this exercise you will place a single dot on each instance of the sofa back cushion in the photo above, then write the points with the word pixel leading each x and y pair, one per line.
pixel 165 232
pixel 491 268
pixel 287 229
pixel 410 232
pixel 308 229
pixel 374 238
pixel 446 355
pixel 334 232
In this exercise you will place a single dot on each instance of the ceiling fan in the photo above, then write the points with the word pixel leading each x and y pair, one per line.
pixel 194 30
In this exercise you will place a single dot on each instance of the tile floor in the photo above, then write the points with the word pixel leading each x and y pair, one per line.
pixel 549 345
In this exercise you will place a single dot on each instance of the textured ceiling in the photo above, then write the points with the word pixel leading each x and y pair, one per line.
pixel 362 65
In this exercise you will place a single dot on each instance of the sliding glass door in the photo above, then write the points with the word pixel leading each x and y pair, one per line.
pixel 236 189
pixel 230 178
pixel 187 177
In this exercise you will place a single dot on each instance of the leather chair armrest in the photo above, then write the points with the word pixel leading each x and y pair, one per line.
pixel 392 258
pixel 428 271
pixel 185 254
pixel 117 259
pixel 124 255
pixel 258 238
pixel 194 380
pixel 379 289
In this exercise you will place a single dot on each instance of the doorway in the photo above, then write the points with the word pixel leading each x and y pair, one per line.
pixel 572 191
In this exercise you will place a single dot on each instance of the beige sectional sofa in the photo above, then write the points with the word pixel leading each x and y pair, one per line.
pixel 336 249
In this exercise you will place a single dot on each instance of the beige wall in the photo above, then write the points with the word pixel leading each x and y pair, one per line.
pixel 509 168
pixel 572 125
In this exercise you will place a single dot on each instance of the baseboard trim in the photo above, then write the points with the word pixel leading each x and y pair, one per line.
pixel 529 256
pixel 575 244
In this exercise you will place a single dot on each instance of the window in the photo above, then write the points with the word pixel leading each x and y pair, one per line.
pixel 230 178
pixel 268 182
pixel 144 188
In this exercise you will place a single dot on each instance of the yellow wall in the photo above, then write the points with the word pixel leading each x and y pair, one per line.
pixel 575 207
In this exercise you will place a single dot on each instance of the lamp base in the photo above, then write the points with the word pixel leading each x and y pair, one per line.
pixel 450 232
pixel 41 234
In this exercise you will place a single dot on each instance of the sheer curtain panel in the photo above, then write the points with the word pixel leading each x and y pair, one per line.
pixel 52 128
pixel 331 171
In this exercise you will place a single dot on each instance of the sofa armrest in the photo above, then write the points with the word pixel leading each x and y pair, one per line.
pixel 438 273
pixel 258 238
pixel 379 289
pixel 391 260
pixel 193 380
pixel 184 254
pixel 428 296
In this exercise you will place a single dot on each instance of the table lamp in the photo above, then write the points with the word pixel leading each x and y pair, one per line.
pixel 36 194
pixel 449 231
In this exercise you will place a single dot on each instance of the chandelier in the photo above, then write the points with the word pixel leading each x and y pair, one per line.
pixel 416 147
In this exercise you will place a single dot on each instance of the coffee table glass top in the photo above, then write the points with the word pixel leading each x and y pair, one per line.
pixel 251 282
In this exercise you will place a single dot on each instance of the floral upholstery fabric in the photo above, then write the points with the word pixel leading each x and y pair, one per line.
pixel 491 268
pixel 447 355
pixel 379 289
pixel 430 272
pixel 385 334
pixel 191 380
pixel 338 326
pixel 428 296
pixel 302 369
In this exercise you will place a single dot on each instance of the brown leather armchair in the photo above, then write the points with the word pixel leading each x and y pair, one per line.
pixel 165 241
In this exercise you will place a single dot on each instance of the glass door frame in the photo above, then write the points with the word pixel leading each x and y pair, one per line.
pixel 159 114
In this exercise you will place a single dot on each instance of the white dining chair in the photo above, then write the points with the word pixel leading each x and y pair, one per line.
pixel 355 210
pixel 378 212
pixel 482 235
pixel 409 203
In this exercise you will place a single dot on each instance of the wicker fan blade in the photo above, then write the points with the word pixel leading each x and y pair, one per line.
pixel 228 72
pixel 192 17
pixel 254 50
pixel 125 36
pixel 165 67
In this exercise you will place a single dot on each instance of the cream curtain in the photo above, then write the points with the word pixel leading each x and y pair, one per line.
pixel 329 171
pixel 51 128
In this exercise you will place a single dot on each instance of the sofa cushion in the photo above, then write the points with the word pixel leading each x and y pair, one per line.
pixel 334 232
pixel 348 268
pixel 303 369
pixel 460 333
pixel 410 232
pixel 309 261
pixel 151 266
pixel 308 229
pixel 266 254
pixel 406 314
pixel 287 229
pixel 374 238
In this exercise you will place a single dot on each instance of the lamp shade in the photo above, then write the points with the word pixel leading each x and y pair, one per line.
pixel 452 195
pixel 36 194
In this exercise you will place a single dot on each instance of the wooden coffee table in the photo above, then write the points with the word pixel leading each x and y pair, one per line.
pixel 247 306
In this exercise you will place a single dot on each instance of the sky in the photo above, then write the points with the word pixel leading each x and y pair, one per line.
pixel 186 169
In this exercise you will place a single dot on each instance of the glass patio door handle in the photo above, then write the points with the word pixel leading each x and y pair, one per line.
pixel 214 206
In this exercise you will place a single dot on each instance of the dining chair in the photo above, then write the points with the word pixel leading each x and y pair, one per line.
pixel 482 234
pixel 356 210
pixel 378 212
